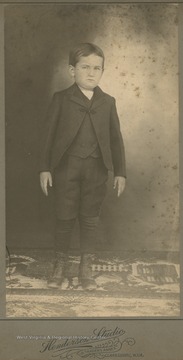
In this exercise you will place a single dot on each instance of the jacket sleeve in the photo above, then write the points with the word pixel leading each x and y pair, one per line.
pixel 117 144
pixel 48 131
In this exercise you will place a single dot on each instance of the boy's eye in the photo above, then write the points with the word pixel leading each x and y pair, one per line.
pixel 85 67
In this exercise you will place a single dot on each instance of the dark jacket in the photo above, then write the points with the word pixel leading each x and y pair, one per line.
pixel 65 116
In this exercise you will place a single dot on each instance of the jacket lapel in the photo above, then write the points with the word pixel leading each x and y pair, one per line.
pixel 75 95
pixel 99 98
pixel 75 107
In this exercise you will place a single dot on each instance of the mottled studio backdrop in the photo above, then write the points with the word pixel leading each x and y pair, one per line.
pixel 140 42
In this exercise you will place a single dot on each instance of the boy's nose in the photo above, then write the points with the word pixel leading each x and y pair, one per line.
pixel 91 71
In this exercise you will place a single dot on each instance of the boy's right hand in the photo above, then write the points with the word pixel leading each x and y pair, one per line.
pixel 45 180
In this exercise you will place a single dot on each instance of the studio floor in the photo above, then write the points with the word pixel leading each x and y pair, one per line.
pixel 129 284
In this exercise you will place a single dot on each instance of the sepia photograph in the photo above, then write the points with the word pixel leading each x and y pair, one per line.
pixel 92 88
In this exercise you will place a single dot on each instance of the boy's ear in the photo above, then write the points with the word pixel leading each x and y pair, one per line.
pixel 72 70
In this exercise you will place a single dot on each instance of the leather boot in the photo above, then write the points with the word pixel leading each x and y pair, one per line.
pixel 85 272
pixel 58 272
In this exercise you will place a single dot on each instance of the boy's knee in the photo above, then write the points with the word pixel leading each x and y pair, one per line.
pixel 88 222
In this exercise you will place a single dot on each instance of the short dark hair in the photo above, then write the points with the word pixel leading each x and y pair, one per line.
pixel 84 49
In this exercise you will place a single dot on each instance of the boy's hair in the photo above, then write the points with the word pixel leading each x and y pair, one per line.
pixel 84 49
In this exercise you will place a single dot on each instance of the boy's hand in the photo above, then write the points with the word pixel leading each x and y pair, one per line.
pixel 45 180
pixel 119 182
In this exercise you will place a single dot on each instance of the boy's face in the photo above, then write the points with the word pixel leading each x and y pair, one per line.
pixel 88 71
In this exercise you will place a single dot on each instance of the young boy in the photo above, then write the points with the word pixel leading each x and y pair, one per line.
pixel 81 141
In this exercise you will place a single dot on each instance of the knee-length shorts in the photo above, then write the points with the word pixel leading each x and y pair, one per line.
pixel 80 186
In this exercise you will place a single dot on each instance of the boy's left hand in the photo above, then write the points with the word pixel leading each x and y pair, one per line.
pixel 119 183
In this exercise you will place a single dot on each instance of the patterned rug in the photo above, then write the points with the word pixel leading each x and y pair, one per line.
pixel 30 269
pixel 126 286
